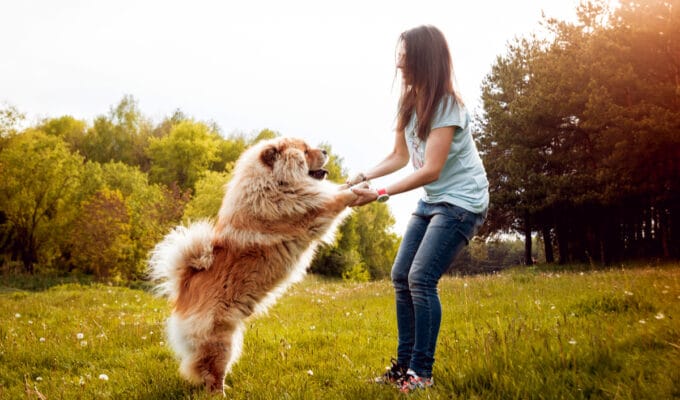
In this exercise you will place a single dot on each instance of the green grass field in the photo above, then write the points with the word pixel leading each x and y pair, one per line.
pixel 522 334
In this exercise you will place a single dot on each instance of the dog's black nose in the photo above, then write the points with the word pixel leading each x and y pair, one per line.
pixel 325 153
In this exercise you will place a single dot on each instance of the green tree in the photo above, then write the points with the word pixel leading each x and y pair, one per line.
pixel 513 143
pixel 377 245
pixel 10 118
pixel 207 200
pixel 101 237
pixel 122 135
pixel 153 210
pixel 38 193
pixel 264 134
pixel 580 136
pixel 70 130
pixel 184 155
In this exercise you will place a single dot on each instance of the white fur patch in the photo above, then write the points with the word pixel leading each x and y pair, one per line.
pixel 183 246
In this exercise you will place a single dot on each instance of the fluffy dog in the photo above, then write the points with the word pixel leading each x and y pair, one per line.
pixel 276 209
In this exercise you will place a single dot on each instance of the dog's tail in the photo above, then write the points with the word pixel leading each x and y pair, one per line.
pixel 184 247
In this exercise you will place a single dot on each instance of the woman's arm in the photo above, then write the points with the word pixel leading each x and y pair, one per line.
pixel 436 151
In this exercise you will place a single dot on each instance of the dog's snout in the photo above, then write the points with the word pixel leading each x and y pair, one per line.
pixel 324 152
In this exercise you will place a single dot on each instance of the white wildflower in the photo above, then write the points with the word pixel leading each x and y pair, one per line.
pixel 104 377
pixel 572 342
pixel 17 315
pixel 659 316
pixel 80 336
pixel 310 372
pixel 83 343
pixel 42 340
pixel 627 293
pixel 642 321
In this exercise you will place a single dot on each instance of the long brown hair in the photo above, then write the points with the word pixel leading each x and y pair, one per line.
pixel 427 77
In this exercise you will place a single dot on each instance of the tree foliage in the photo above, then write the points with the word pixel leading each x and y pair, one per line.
pixel 184 155
pixel 102 195
pixel 101 239
pixel 581 134
pixel 122 135
pixel 39 186
pixel 207 199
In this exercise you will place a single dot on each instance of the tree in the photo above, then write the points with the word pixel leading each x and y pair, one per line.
pixel 101 237
pixel 377 245
pixel 70 130
pixel 10 118
pixel 206 202
pixel 580 134
pixel 122 135
pixel 38 193
pixel 184 155
pixel 513 145
pixel 153 210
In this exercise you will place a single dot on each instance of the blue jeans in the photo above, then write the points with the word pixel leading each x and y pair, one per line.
pixel 435 234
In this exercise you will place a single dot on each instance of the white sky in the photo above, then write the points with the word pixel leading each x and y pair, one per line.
pixel 320 70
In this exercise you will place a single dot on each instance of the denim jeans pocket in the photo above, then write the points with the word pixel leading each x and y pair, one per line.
pixel 468 222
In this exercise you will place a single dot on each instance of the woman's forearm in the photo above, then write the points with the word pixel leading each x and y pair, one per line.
pixel 390 164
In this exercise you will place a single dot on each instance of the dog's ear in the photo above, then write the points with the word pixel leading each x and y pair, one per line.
pixel 269 156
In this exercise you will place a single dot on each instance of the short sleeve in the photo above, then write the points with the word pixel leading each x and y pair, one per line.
pixel 449 113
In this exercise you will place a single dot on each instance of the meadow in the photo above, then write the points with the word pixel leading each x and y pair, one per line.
pixel 524 333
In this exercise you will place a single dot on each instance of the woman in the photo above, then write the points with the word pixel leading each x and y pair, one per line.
pixel 433 131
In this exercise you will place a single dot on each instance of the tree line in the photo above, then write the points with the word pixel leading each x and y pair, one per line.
pixel 95 198
pixel 580 134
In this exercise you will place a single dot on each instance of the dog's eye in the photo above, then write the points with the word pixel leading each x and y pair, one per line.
pixel 306 152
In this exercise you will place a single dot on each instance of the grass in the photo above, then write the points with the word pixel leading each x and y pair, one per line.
pixel 521 334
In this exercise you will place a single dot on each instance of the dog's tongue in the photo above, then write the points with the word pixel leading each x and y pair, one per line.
pixel 319 174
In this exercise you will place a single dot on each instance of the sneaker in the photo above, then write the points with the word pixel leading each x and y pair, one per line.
pixel 414 382
pixel 394 375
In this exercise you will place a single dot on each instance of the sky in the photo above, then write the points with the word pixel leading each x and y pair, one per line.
pixel 319 70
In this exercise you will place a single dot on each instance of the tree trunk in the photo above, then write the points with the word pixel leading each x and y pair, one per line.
pixel 547 241
pixel 528 260
pixel 562 240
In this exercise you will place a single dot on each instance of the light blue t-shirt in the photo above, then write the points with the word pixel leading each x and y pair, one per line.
pixel 462 181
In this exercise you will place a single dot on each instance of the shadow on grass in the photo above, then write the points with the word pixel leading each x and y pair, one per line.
pixel 11 282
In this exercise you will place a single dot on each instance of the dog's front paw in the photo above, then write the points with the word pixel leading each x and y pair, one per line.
pixel 347 197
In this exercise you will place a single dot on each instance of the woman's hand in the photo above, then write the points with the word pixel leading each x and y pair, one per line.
pixel 366 195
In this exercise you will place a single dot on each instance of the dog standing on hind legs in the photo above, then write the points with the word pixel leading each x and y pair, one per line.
pixel 276 209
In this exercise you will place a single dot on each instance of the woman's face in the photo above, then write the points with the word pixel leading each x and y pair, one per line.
pixel 401 56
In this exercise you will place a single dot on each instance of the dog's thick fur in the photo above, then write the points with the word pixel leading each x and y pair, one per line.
pixel 216 275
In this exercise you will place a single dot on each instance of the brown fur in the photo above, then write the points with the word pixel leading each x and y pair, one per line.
pixel 272 217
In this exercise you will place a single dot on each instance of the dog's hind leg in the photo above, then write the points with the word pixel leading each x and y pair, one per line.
pixel 236 345
pixel 211 364
pixel 217 355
